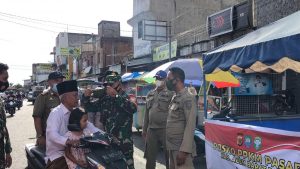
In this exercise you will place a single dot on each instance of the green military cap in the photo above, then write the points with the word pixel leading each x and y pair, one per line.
pixel 110 79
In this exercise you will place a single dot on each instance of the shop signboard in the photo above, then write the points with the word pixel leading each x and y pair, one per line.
pixel 220 22
pixel 245 146
pixel 70 51
pixel 253 84
pixel 162 52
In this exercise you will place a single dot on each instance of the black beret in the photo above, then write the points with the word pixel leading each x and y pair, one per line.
pixel 67 86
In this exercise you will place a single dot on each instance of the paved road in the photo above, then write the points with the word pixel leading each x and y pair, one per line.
pixel 22 131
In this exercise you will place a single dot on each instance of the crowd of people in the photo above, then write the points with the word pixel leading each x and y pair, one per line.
pixel 60 121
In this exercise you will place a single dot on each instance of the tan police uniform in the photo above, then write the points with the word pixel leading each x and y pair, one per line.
pixel 180 129
pixel 155 121
pixel 43 105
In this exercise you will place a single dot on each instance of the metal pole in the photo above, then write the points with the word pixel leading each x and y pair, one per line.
pixel 78 72
pixel 170 48
pixel 204 96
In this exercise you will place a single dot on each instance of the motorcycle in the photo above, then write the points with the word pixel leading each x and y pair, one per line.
pixel 104 153
pixel 225 114
pixel 19 102
pixel 10 105
pixel 199 139
pixel 284 102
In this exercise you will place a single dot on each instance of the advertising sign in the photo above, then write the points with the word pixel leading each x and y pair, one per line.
pixel 253 84
pixel 43 68
pixel 162 52
pixel 233 145
pixel 70 51
pixel 220 23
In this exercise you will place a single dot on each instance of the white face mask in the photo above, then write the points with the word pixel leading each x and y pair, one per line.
pixel 159 83
pixel 54 88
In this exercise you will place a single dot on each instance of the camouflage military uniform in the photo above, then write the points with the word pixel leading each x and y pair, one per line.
pixel 43 105
pixel 5 147
pixel 91 107
pixel 117 116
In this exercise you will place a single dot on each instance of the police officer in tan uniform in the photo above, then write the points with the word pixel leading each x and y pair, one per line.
pixel 155 120
pixel 43 105
pixel 181 122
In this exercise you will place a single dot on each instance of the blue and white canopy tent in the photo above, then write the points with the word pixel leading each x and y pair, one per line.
pixel 131 76
pixel 275 47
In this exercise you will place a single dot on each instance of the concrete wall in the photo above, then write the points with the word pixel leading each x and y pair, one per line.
pixel 268 11
pixel 76 39
pixel 109 29
pixel 265 12
pixel 64 40
pixel 122 47
pixel 140 6
pixel 189 23
pixel 148 10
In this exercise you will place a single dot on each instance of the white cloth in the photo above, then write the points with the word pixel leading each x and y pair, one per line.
pixel 57 127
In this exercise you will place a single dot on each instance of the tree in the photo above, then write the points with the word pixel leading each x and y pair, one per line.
pixel 18 86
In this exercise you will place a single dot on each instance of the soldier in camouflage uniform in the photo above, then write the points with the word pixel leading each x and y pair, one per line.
pixel 94 116
pixel 5 147
pixel 117 114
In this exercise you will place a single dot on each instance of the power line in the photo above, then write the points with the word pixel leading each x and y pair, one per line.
pixel 40 21
pixel 29 26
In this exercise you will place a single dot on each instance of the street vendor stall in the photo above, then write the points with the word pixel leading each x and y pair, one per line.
pixel 266 131
pixel 131 84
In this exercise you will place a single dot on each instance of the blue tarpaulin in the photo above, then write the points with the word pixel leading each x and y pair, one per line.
pixel 275 47
pixel 131 76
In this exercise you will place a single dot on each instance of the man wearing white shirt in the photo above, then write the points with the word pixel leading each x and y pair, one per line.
pixel 57 126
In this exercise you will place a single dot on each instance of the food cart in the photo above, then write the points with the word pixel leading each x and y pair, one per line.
pixel 265 132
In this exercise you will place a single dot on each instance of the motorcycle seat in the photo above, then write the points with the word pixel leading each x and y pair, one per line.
pixel 38 153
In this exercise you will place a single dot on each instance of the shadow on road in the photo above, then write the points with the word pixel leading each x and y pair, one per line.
pixel 139 143
pixel 199 162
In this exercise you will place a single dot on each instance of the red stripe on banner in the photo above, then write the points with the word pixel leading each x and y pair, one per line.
pixel 260 141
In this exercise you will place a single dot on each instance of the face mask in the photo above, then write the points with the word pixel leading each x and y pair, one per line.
pixel 3 86
pixel 159 83
pixel 170 85
pixel 54 88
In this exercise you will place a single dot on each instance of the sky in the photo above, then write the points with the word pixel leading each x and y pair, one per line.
pixel 28 28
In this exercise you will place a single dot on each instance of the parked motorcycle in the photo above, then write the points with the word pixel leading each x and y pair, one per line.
pixel 284 102
pixel 10 105
pixel 225 114
pixel 104 153
pixel 199 139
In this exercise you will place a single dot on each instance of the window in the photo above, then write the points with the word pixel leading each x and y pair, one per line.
pixel 140 29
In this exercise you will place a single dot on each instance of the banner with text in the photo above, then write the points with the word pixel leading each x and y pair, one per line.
pixel 162 52
pixel 239 146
